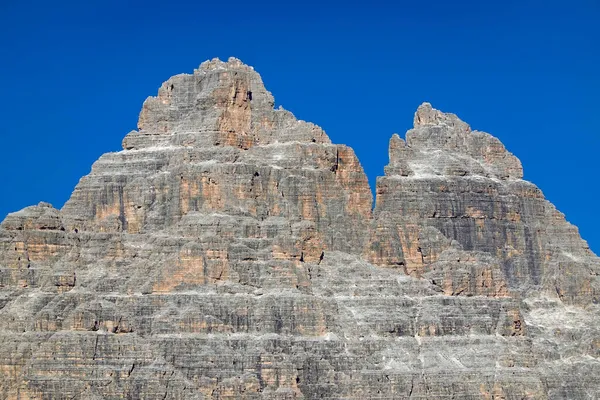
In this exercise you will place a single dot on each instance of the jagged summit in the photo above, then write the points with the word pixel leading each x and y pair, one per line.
pixel 427 115
pixel 216 64
pixel 230 251
pixel 440 144
pixel 221 103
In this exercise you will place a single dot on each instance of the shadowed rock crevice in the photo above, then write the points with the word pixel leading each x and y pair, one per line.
pixel 232 251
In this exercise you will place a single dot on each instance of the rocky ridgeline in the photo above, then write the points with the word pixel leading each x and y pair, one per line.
pixel 232 251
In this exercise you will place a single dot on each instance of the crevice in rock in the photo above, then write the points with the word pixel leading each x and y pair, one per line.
pixel 95 349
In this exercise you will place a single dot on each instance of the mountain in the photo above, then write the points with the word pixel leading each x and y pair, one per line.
pixel 232 251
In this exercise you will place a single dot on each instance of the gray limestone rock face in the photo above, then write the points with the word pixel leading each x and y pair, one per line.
pixel 468 187
pixel 230 251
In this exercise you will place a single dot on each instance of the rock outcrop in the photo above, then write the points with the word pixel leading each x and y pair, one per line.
pixel 232 251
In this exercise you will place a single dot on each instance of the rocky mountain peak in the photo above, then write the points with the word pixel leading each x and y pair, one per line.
pixel 441 144
pixel 231 251
pixel 426 115
pixel 232 63
pixel 221 103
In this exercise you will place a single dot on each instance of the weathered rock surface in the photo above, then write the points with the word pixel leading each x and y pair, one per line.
pixel 231 251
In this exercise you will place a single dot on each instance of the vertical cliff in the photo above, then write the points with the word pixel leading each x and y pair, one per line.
pixel 449 185
pixel 231 251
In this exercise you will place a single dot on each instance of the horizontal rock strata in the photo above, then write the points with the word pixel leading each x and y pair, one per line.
pixel 231 251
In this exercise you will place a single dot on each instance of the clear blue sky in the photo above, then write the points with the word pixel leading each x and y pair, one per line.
pixel 74 75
